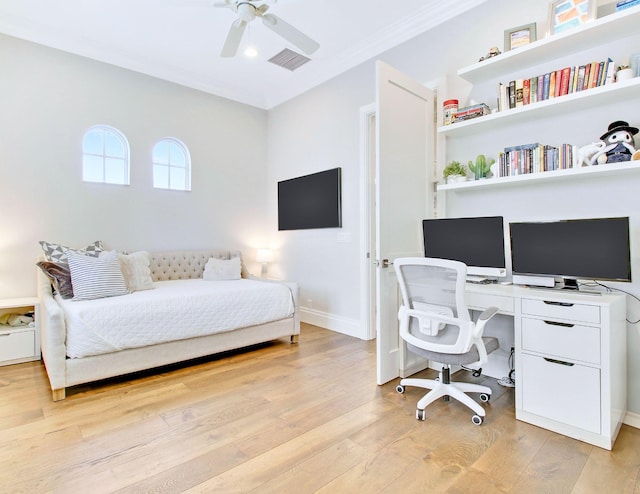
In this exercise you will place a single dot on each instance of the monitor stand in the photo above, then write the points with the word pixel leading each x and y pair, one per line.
pixel 570 284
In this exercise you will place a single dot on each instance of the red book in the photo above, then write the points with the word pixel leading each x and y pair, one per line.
pixel 526 91
pixel 558 82
pixel 587 71
pixel 564 81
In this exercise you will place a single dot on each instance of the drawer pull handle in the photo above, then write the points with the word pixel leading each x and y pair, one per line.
pixel 559 362
pixel 556 323
pixel 561 304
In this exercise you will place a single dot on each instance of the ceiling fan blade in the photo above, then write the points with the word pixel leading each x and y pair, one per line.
pixel 290 33
pixel 234 38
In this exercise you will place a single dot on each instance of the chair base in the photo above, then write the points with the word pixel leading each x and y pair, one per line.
pixel 445 388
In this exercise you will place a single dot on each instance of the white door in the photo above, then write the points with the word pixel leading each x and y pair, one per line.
pixel 405 114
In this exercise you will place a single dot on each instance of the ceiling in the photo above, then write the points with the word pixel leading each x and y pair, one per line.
pixel 180 40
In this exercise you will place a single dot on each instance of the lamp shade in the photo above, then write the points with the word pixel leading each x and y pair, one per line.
pixel 264 255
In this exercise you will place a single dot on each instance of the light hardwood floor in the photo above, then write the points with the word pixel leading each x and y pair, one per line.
pixel 285 418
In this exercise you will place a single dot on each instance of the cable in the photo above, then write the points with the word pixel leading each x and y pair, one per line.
pixel 509 381
pixel 611 289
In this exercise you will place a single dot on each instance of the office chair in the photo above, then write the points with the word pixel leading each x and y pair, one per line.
pixel 435 324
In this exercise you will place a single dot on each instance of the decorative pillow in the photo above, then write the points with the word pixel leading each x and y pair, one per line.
pixel 58 253
pixel 222 269
pixel 60 277
pixel 135 269
pixel 95 277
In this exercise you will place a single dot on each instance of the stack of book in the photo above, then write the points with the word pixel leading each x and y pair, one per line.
pixel 557 83
pixel 534 158
pixel 472 111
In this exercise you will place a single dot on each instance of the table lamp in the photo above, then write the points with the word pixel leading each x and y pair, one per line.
pixel 264 256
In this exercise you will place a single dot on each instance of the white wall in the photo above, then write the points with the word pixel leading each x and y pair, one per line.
pixel 49 98
pixel 319 130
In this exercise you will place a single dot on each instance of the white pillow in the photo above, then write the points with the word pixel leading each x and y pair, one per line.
pixel 136 272
pixel 96 277
pixel 222 269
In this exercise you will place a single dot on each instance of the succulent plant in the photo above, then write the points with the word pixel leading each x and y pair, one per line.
pixel 455 168
pixel 481 168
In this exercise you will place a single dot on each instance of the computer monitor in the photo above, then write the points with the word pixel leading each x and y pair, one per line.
pixel 476 241
pixel 590 249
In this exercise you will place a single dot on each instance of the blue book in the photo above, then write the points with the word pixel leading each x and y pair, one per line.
pixel 545 90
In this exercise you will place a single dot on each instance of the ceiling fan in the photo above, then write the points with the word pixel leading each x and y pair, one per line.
pixel 247 11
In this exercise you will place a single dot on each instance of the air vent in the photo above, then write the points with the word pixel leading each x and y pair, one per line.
pixel 289 59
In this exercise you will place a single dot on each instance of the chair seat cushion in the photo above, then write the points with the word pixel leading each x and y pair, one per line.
pixel 491 343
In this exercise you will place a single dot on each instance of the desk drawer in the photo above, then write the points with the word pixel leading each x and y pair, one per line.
pixel 17 344
pixel 553 309
pixel 561 340
pixel 567 394
pixel 481 301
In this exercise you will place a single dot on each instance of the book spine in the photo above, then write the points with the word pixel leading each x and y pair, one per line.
pixel 519 93
pixel 580 81
pixel 572 80
pixel 540 95
pixel 552 85
pixel 547 85
pixel 587 70
pixel 601 74
pixel 564 81
pixel 593 75
pixel 512 94
pixel 533 83
pixel 610 71
pixel 558 82
pixel 526 92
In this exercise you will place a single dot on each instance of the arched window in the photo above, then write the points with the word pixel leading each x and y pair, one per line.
pixel 171 165
pixel 105 156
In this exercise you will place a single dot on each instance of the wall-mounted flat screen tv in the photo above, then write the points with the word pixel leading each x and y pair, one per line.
pixel 311 201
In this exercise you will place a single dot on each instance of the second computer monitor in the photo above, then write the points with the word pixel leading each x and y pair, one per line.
pixel 476 241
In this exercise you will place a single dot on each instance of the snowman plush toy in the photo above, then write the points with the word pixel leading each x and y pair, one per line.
pixel 619 145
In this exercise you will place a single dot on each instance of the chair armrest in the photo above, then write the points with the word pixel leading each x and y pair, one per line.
pixel 483 319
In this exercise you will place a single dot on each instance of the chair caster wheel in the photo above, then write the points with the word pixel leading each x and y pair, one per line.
pixel 400 388
pixel 421 414
pixel 485 397
pixel 477 420
pixel 477 373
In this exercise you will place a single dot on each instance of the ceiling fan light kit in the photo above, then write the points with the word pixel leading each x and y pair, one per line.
pixel 247 11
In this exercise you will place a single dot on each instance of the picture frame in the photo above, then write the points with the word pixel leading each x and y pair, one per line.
pixel 519 36
pixel 565 15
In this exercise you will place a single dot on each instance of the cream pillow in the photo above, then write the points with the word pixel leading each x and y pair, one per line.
pixel 222 269
pixel 135 269
pixel 136 272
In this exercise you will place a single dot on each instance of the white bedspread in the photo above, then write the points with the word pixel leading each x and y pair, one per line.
pixel 174 310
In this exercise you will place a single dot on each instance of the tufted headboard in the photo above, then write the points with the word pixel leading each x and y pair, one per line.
pixel 186 264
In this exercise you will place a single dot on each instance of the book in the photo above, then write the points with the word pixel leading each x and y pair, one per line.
pixel 572 80
pixel 601 74
pixel 526 91
pixel 547 84
pixel 512 94
pixel 533 83
pixel 564 81
pixel 625 4
pixel 552 85
pixel 519 93
pixel 540 95
pixel 593 74
pixel 587 69
pixel 610 71
pixel 558 82
pixel 580 79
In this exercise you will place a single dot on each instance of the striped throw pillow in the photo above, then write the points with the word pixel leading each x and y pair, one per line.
pixel 95 277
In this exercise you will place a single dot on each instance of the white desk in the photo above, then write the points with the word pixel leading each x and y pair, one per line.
pixel 570 357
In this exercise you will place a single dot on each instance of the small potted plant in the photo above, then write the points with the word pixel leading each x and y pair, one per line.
pixel 623 72
pixel 455 172
pixel 481 168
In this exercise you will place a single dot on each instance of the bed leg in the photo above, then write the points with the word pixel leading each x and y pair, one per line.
pixel 294 338
pixel 59 394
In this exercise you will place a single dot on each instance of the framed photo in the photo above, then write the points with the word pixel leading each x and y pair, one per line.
pixel 519 36
pixel 569 14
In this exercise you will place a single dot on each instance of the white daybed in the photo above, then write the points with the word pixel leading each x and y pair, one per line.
pixel 69 366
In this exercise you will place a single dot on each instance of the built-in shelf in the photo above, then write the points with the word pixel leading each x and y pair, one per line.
pixel 601 96
pixel 551 176
pixel 603 30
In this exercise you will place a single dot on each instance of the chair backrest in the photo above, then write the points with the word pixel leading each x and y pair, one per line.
pixel 434 315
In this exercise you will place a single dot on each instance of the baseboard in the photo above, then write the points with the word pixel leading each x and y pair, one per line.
pixel 632 419
pixel 350 327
